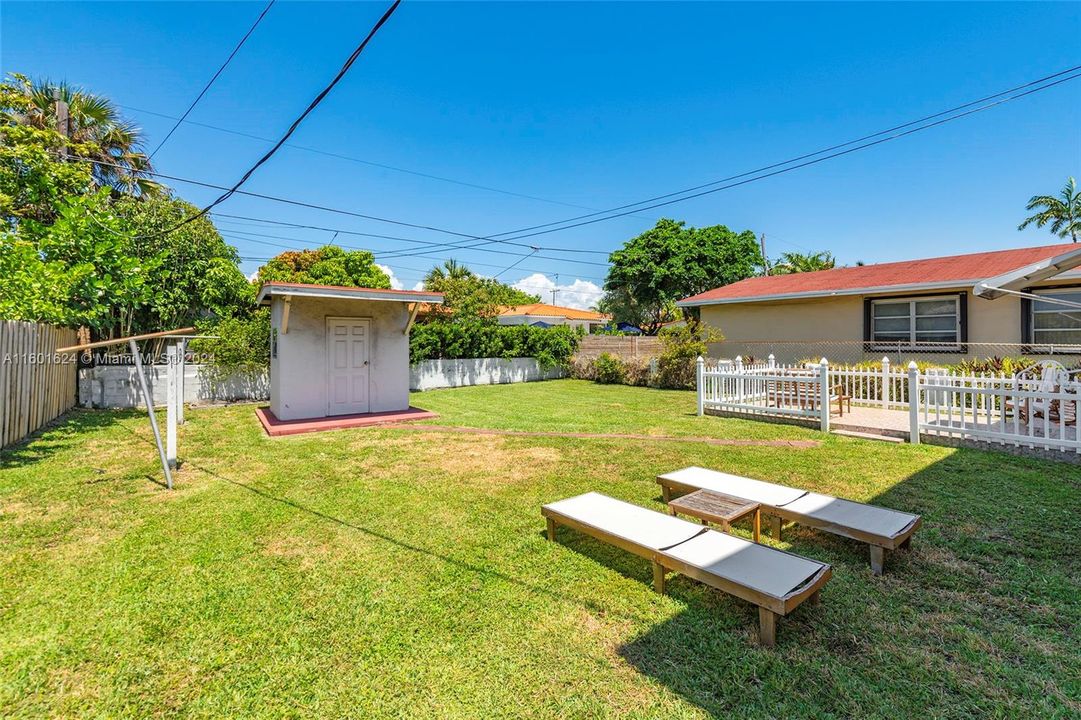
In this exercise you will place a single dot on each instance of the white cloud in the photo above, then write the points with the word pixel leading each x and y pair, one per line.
pixel 254 276
pixel 419 286
pixel 395 283
pixel 580 294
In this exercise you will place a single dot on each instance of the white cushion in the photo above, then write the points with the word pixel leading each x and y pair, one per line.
pixel 858 516
pixel 634 523
pixel 755 566
pixel 741 487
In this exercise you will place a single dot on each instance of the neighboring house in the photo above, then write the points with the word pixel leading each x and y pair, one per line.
pixel 544 315
pixel 945 306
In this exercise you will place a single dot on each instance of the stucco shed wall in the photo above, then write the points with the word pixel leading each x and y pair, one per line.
pixel 298 375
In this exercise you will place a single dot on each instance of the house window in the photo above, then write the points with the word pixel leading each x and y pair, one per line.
pixel 926 321
pixel 1056 324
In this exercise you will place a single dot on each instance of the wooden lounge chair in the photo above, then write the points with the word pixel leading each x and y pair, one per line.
pixel 881 528
pixel 777 582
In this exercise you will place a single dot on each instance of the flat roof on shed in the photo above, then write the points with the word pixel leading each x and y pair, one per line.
pixel 346 293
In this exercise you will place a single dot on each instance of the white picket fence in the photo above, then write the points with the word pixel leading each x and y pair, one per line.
pixel 1004 411
pixel 993 408
pixel 765 389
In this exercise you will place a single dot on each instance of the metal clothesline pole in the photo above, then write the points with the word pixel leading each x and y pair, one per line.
pixel 149 401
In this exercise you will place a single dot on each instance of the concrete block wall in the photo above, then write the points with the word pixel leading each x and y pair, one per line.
pixel 115 386
pixel 432 374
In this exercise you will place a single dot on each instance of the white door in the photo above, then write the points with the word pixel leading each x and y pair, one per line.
pixel 347 365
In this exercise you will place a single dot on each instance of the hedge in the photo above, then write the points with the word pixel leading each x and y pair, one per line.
pixel 449 340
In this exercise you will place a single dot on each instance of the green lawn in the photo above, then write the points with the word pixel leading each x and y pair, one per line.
pixel 394 573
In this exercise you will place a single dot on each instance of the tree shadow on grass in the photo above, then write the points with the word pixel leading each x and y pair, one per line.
pixel 975 619
pixel 64 433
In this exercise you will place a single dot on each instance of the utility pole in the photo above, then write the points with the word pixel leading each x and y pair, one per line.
pixel 554 291
pixel 63 125
pixel 765 258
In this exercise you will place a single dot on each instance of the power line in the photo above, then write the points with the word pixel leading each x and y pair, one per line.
pixel 362 161
pixel 350 213
pixel 1000 98
pixel 232 234
pixel 296 123
pixel 403 239
pixel 199 97
pixel 511 266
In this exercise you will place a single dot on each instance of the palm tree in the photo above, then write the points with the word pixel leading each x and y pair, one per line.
pixel 449 270
pixel 112 144
pixel 1063 212
pixel 803 262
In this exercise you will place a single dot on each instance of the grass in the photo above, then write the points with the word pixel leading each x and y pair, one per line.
pixel 392 573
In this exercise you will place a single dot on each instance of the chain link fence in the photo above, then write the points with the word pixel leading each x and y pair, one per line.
pixel 852 352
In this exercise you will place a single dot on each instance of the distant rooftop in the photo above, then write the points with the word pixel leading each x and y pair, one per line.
pixel 546 310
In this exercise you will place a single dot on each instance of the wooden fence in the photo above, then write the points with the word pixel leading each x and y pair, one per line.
pixel 36 384
pixel 624 346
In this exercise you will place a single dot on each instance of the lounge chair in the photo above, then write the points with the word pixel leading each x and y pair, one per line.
pixel 882 529
pixel 777 582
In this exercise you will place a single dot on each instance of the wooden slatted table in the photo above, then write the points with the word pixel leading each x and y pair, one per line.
pixel 709 506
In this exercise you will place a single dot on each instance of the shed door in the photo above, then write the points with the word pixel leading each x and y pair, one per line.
pixel 348 348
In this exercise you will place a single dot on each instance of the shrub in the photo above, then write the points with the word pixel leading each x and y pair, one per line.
pixel 609 369
pixel 476 338
pixel 680 349
pixel 638 371
pixel 242 344
pixel 1008 365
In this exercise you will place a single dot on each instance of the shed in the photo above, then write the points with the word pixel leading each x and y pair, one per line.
pixel 339 350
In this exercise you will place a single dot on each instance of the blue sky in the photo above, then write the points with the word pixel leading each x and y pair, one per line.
pixel 590 105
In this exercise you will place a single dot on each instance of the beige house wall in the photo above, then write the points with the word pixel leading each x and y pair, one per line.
pixel 834 326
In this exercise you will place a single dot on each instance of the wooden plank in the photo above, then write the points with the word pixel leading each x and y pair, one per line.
pixel 5 367
pixel 27 380
pixel 413 308
pixel 767 627
pixel 120 341
pixel 37 384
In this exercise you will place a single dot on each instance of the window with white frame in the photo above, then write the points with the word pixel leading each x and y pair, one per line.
pixel 1054 324
pixel 923 320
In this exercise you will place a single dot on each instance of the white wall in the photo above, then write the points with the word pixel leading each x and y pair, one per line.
pixel 432 374
pixel 298 375
pixel 115 386
pixel 550 319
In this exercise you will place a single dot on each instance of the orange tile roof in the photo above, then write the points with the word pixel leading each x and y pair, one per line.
pixel 545 310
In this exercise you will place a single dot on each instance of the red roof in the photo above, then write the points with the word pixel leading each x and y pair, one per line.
pixel 940 272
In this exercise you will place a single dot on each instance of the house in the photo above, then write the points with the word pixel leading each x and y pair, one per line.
pixel 339 350
pixel 544 315
pixel 1007 302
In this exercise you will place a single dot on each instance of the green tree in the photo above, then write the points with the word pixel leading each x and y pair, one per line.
pixel 1063 213
pixel 76 270
pixel 111 143
pixel 792 262
pixel 449 270
pixel 193 272
pixel 64 253
pixel 33 182
pixel 669 262
pixel 467 295
pixel 328 265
